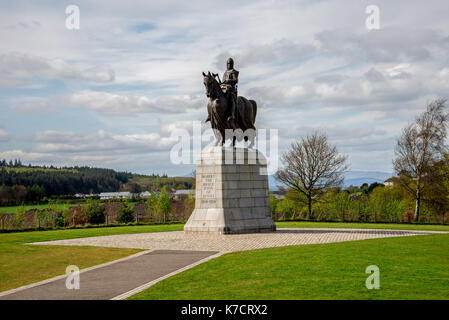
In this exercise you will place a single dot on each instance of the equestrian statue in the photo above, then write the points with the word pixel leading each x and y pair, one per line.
pixel 226 110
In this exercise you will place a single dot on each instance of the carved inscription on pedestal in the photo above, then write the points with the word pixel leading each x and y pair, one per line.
pixel 208 188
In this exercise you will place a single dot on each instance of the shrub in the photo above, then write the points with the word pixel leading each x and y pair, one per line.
pixel 94 212
pixel 42 217
pixel 286 209
pixel 151 206
pixel 163 204
pixel 19 217
pixel 273 204
pixel 125 214
pixel 387 204
pixel 62 218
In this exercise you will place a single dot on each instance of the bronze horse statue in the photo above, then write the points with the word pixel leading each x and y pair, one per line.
pixel 219 111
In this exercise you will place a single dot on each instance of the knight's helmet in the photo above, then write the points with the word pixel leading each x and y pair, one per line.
pixel 230 63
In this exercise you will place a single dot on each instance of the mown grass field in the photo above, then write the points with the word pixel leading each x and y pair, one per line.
pixel 415 267
pixel 357 225
pixel 59 206
pixel 22 264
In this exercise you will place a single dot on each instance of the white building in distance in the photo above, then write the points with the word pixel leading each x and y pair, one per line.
pixel 115 195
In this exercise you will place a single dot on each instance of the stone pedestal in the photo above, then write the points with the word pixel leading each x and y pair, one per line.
pixel 231 192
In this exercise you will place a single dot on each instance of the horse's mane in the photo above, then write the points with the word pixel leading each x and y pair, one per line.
pixel 216 85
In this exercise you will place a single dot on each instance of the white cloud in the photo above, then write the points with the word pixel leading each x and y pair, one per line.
pixel 377 88
pixel 93 148
pixel 4 136
pixel 99 142
pixel 26 156
pixel 308 64
pixel 187 125
pixel 121 104
pixel 384 45
pixel 18 69
pixel 279 51
pixel 37 105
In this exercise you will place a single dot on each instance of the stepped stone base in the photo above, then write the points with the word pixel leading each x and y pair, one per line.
pixel 231 192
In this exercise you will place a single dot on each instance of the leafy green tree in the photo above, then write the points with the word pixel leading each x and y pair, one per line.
pixel 189 205
pixel 52 211
pixel 273 204
pixel 420 146
pixel 334 205
pixel 60 181
pixel 311 167
pixel 436 194
pixel 374 185
pixel 163 204
pixel 125 214
pixel 341 204
pixel 151 205
pixel 364 188
pixel 359 207
pixel 62 217
pixel 94 212
pixel 41 217
pixel 286 209
pixel 34 193
pixel 387 204
pixel 19 217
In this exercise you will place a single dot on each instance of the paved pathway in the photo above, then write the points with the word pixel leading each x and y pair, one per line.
pixel 174 252
pixel 114 279
pixel 178 240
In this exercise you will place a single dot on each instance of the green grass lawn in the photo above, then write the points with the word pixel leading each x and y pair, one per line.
pixel 59 206
pixel 414 267
pixel 24 264
pixel 359 225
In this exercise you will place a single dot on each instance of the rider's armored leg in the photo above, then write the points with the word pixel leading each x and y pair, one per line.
pixel 231 118
pixel 233 105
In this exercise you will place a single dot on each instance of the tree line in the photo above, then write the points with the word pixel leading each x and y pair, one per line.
pixel 19 183
pixel 313 171
pixel 157 208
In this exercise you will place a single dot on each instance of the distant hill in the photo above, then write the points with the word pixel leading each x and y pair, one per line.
pixel 60 181
pixel 273 184
pixel 354 178
pixel 357 178
pixel 139 183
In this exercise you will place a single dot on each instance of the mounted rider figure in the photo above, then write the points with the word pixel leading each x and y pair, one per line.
pixel 229 87
pixel 226 110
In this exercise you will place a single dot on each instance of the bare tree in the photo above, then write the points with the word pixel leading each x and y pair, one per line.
pixel 420 146
pixel 312 166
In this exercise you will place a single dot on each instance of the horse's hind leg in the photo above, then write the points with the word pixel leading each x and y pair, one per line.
pixel 251 144
pixel 234 138
pixel 246 141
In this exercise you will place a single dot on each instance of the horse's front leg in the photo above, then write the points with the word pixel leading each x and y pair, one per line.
pixel 223 138
pixel 219 140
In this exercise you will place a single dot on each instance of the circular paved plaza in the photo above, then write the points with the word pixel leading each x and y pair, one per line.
pixel 179 240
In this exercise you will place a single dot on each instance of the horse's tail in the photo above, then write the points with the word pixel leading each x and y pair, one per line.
pixel 254 110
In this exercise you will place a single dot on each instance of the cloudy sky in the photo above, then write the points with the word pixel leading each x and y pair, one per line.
pixel 111 93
